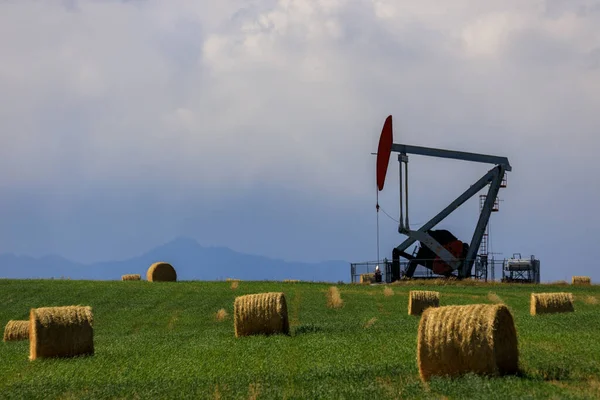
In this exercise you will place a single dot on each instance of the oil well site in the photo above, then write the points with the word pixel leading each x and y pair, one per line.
pixel 438 253
pixel 299 200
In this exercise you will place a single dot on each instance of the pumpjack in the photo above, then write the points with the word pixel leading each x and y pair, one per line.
pixel 440 251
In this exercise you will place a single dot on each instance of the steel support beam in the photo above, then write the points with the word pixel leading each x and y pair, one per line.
pixel 484 218
pixel 457 155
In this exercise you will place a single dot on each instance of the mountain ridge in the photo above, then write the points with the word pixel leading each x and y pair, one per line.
pixel 191 260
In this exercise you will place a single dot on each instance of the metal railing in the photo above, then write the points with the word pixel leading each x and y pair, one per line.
pixel 484 270
pixel 368 267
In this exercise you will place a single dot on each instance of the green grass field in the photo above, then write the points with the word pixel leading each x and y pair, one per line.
pixel 163 340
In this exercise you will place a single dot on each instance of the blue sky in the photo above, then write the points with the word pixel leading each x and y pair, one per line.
pixel 250 124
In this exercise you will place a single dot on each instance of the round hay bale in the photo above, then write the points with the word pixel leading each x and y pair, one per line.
pixel 261 313
pixel 419 300
pixel 550 303
pixel 131 277
pixel 581 280
pixel 61 331
pixel 479 338
pixel 16 330
pixel 161 272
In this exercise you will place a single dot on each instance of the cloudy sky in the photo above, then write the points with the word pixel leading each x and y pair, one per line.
pixel 249 124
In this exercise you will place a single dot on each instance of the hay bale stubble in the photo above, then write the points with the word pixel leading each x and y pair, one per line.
pixel 221 315
pixel 16 330
pixel 479 338
pixel 131 277
pixel 334 298
pixel 161 272
pixel 550 303
pixel 260 313
pixel 420 300
pixel 61 331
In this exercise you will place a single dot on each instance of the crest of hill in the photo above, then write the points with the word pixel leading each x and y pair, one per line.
pixel 191 260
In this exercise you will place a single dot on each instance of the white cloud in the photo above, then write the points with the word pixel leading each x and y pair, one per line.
pixel 294 74
pixel 489 35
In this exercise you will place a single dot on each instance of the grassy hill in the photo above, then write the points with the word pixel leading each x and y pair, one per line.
pixel 163 340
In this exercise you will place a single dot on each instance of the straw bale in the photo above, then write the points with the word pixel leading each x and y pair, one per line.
pixel 478 338
pixel 16 330
pixel 419 300
pixel 260 313
pixel 581 280
pixel 367 278
pixel 549 303
pixel 131 277
pixel 161 272
pixel 61 331
pixel 291 280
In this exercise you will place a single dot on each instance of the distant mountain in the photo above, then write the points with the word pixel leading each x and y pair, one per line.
pixel 191 261
pixel 13 266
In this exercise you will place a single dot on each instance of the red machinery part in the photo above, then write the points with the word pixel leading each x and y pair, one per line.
pixel 383 151
pixel 456 249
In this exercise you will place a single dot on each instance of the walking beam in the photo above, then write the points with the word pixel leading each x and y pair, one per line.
pixel 457 155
